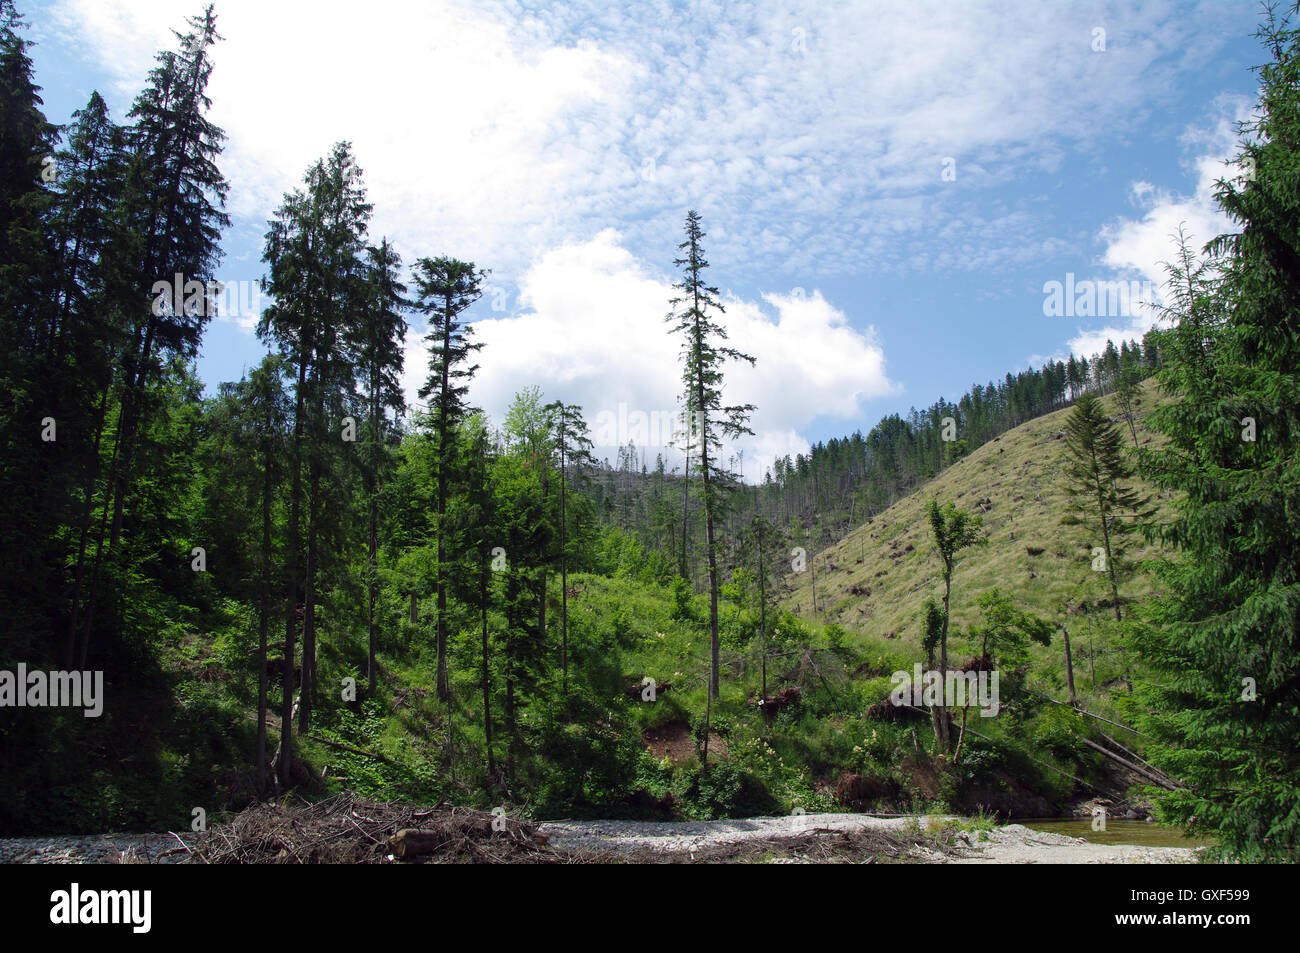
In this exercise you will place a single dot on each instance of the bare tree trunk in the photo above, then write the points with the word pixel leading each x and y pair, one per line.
pixel 762 611
pixel 443 439
pixel 263 623
pixel 292 586
pixel 372 586
pixel 1110 562
pixel 564 580
pixel 1069 663
pixel 487 683
pixel 812 568
pixel 83 538
pixel 686 493
pixel 307 692
pixel 945 722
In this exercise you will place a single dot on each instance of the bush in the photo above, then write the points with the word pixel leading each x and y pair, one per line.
pixel 727 791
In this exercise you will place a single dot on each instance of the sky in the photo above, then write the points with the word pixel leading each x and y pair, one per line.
pixel 889 189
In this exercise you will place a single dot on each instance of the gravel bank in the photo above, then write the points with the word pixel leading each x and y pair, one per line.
pixel 1011 844
pixel 88 849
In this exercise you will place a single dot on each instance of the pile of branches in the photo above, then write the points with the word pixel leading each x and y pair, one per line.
pixel 346 830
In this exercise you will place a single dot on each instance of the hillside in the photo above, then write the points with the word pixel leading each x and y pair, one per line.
pixel 876 579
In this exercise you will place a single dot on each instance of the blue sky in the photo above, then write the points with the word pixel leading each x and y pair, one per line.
pixel 887 187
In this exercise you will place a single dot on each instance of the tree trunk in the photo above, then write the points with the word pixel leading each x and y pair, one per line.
pixel 487 683
pixel 686 493
pixel 292 589
pixel 1110 563
pixel 443 438
pixel 762 612
pixel 264 621
pixel 1069 662
pixel 564 580
pixel 307 692
pixel 945 723
pixel 84 534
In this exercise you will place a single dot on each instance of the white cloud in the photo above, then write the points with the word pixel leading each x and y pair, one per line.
pixel 815 133
pixel 1138 247
pixel 590 329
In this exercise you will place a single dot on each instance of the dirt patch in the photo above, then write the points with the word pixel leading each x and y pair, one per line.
pixel 672 740
pixel 861 792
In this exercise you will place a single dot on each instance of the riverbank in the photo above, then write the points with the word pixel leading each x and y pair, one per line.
pixel 924 839
pixel 803 838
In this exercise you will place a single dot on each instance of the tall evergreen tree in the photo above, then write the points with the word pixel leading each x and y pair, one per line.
pixel 1099 479
pixel 763 548
pixel 1224 694
pixel 169 221
pixel 380 334
pixel 703 355
pixel 574 447
pixel 445 288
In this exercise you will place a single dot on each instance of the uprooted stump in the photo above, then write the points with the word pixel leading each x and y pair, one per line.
pixel 886 710
pixel 346 830
pixel 861 792
pixel 786 698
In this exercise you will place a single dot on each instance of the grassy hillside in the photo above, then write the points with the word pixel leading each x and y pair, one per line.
pixel 876 579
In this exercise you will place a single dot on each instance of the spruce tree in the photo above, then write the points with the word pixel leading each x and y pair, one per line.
pixel 1223 698
pixel 380 333
pixel 32 472
pixel 703 355
pixel 445 288
pixel 1099 477
pixel 573 444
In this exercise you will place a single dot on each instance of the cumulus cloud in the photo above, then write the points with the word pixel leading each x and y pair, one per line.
pixel 589 328
pixel 1137 247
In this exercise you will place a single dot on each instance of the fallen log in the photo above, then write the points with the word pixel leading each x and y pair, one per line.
pixel 1166 783
pixel 413 842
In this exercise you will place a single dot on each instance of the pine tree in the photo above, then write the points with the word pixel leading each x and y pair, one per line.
pixel 175 197
pixel 380 333
pixel 763 548
pixel 573 444
pixel 168 222
pixel 84 226
pixel 1224 695
pixel 702 358
pixel 316 249
pixel 1098 475
pixel 445 288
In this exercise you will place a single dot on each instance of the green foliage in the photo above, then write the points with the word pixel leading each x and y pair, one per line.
pixel 1229 621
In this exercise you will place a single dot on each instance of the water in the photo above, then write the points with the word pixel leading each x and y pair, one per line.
pixel 1138 833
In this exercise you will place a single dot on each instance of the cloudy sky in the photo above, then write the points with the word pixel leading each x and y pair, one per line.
pixel 886 187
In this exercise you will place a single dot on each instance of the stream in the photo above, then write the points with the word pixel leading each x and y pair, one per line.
pixel 1138 833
